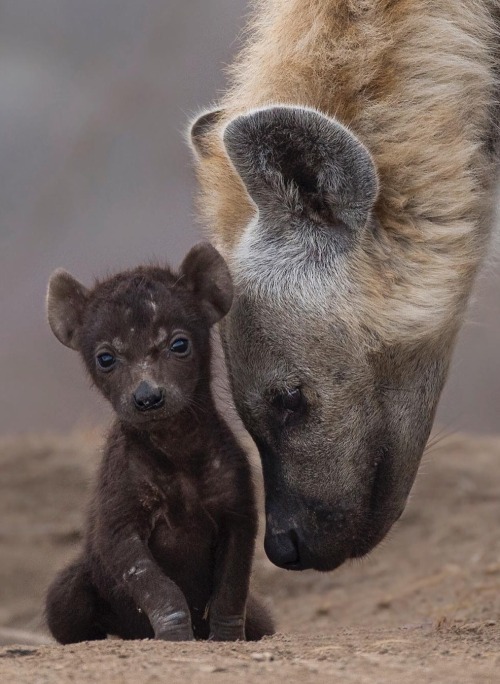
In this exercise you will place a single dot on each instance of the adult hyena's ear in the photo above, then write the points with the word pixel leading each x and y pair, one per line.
pixel 66 302
pixel 200 130
pixel 296 161
pixel 207 275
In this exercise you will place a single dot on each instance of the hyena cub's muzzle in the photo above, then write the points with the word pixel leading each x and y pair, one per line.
pixel 148 398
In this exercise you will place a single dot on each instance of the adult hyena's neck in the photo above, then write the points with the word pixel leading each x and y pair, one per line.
pixel 416 82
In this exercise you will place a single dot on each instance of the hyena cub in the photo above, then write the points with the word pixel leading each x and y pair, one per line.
pixel 171 530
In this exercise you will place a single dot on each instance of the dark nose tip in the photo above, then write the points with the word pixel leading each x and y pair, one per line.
pixel 283 549
pixel 147 397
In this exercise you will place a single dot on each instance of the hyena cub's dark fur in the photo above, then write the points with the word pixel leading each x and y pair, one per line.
pixel 170 535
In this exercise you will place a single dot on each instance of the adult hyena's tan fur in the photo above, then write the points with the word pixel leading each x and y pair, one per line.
pixel 415 80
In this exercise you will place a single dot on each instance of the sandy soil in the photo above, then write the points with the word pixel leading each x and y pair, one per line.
pixel 425 607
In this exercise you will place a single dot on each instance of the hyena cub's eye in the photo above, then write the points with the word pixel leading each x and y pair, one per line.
pixel 180 346
pixel 105 361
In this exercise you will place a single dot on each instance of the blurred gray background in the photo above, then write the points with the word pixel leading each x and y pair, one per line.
pixel 95 176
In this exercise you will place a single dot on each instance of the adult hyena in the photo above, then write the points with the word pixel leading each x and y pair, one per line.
pixel 348 177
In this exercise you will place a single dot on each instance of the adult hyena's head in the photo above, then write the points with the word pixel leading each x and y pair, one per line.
pixel 339 405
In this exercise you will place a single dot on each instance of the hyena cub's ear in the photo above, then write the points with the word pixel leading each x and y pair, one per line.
pixel 207 275
pixel 200 128
pixel 296 161
pixel 66 302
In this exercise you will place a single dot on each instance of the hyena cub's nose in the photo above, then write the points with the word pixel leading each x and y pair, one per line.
pixel 147 397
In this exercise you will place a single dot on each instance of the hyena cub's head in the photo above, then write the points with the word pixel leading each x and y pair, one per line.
pixel 144 334
pixel 340 412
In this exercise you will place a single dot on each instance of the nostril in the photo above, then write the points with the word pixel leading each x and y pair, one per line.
pixel 147 397
pixel 151 402
pixel 293 557
pixel 283 549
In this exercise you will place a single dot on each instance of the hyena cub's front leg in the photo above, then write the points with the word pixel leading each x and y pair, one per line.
pixel 153 592
pixel 232 579
pixel 161 600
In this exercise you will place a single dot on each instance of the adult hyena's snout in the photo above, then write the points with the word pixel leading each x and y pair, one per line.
pixel 347 518
pixel 310 523
pixel 311 537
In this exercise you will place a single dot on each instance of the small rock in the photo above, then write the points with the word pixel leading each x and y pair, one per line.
pixel 15 652
pixel 211 668
pixel 265 656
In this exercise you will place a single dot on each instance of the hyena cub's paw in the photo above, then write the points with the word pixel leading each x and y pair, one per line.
pixel 173 627
pixel 227 628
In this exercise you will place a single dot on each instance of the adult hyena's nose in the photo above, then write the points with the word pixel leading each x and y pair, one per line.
pixel 282 549
pixel 147 397
pixel 308 537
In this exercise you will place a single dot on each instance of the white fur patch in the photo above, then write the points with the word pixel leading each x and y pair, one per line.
pixel 118 344
pixel 302 268
pixel 160 337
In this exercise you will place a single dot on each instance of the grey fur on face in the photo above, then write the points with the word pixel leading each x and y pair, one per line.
pixel 337 469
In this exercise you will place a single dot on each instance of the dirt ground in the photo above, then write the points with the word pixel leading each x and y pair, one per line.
pixel 424 607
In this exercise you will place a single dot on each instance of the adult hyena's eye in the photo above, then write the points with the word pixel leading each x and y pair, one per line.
pixel 289 405
pixel 105 361
pixel 290 400
pixel 180 346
